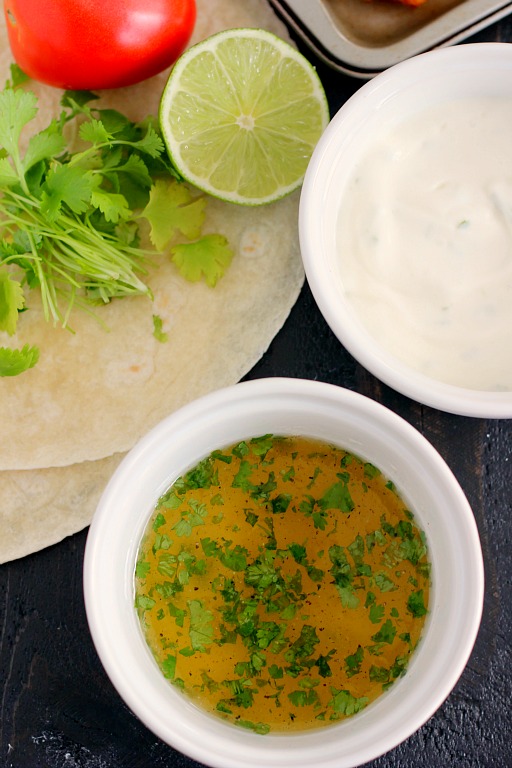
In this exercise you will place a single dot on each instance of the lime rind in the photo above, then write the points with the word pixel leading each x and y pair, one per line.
pixel 241 114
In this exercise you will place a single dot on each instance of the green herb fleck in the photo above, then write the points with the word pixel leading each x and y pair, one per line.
pixel 344 703
pixel 386 633
pixel 416 604
pixel 201 625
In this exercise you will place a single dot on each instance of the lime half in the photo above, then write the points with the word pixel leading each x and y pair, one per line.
pixel 241 114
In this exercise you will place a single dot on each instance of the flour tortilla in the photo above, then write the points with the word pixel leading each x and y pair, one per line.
pixel 67 422
pixel 40 507
pixel 96 391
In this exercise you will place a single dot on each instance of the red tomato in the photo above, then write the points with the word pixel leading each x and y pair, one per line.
pixel 96 44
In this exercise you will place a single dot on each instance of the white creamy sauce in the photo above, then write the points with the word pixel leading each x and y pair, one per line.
pixel 425 243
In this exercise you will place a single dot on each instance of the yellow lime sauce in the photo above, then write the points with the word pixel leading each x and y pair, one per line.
pixel 282 583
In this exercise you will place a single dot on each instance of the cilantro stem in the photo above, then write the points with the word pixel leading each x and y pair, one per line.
pixel 77 159
pixel 73 249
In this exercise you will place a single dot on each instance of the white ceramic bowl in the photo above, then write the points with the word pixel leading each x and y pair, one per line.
pixel 285 406
pixel 420 82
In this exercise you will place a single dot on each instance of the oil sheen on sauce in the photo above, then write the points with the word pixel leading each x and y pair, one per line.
pixel 425 243
pixel 282 583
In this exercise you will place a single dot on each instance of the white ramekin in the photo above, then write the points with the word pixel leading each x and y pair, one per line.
pixel 359 424
pixel 479 69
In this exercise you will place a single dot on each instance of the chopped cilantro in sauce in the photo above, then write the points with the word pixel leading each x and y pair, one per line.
pixel 282 583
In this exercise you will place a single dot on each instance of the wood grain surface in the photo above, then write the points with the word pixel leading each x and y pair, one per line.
pixel 58 709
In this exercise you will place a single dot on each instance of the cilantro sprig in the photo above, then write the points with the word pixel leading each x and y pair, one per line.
pixel 70 220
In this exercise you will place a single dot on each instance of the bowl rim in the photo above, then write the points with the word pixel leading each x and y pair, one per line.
pixel 108 583
pixel 353 336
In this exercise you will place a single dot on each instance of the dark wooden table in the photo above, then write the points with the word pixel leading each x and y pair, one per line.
pixel 58 709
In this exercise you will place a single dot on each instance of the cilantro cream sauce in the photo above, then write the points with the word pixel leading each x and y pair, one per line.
pixel 282 583
pixel 425 243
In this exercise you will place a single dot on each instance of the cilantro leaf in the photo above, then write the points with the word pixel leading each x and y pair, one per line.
pixel 200 625
pixel 137 170
pixel 354 661
pixel 344 703
pixel 275 672
pixel 356 549
pixel 341 569
pixel 240 450
pixel 324 670
pixel 76 100
pixel 379 674
pixel 210 547
pixel 337 497
pixel 203 475
pixel 280 503
pixel 375 538
pixel 47 143
pixel 348 597
pixel 158 331
pixel 376 613
pixel 303 698
pixel 260 728
pixel 144 603
pixel 370 470
pixel 12 300
pixel 261 575
pixel 95 132
pixel 65 184
pixel 251 517
pixel 416 604
pixel 384 583
pixel 169 667
pixel 151 143
pixel 190 518
pixel 241 479
pixel 412 549
pixel 177 613
pixel 18 76
pixel 234 559
pixel 167 565
pixel 172 210
pixel 158 521
pixel 16 361
pixel 308 507
pixel 142 569
pixel 266 632
pixel 222 706
pixel 399 668
pixel 208 257
pixel 261 445
pixel 298 552
pixel 264 489
pixel 343 576
pixel 8 176
pixel 386 633
pixel 17 108
pixel 113 206
pixel 305 644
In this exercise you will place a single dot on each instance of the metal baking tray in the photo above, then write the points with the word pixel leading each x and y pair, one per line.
pixel 362 38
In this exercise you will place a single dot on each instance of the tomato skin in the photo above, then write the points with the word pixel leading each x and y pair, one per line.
pixel 97 44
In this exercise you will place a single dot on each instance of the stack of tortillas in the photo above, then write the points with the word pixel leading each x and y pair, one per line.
pixel 66 423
